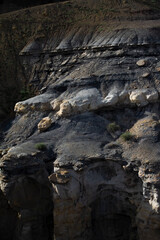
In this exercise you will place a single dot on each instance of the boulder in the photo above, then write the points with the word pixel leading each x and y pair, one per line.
pixel 138 97
pixel 44 124
pixel 38 103
pixel 84 100
pixel 141 62
pixel 65 109
pixel 141 97
pixel 20 107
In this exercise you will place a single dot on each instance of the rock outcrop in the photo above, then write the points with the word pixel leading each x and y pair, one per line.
pixel 87 182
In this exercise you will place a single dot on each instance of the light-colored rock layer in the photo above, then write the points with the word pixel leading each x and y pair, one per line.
pixel 88 100
pixel 37 103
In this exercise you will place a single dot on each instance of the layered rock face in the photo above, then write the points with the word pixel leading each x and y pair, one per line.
pixel 68 169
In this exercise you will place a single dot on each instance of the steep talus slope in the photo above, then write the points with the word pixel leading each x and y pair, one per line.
pixel 81 159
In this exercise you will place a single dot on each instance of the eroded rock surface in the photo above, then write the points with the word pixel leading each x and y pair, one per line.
pixel 101 186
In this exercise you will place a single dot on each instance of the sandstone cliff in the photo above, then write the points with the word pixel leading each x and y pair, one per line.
pixel 80 160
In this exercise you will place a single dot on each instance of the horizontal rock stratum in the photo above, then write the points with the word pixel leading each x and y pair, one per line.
pixel 81 159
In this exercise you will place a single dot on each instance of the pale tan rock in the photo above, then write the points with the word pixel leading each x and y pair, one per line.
pixel 141 62
pixel 60 177
pixel 20 107
pixel 65 109
pixel 138 97
pixel 44 124
pixel 84 100
pixel 144 75
pixel 142 97
pixel 38 103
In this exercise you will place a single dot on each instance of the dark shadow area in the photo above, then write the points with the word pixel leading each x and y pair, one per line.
pixel 112 220
pixel 13 5
pixel 8 219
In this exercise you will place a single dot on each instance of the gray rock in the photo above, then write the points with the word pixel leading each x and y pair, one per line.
pixel 101 186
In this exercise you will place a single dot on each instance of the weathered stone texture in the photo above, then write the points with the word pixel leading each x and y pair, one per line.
pixel 102 187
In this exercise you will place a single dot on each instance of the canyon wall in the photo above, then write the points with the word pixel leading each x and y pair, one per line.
pixel 80 160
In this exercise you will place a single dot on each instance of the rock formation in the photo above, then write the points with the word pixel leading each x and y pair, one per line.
pixel 87 181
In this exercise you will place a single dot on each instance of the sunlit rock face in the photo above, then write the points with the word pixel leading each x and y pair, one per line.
pixel 99 202
pixel 93 171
